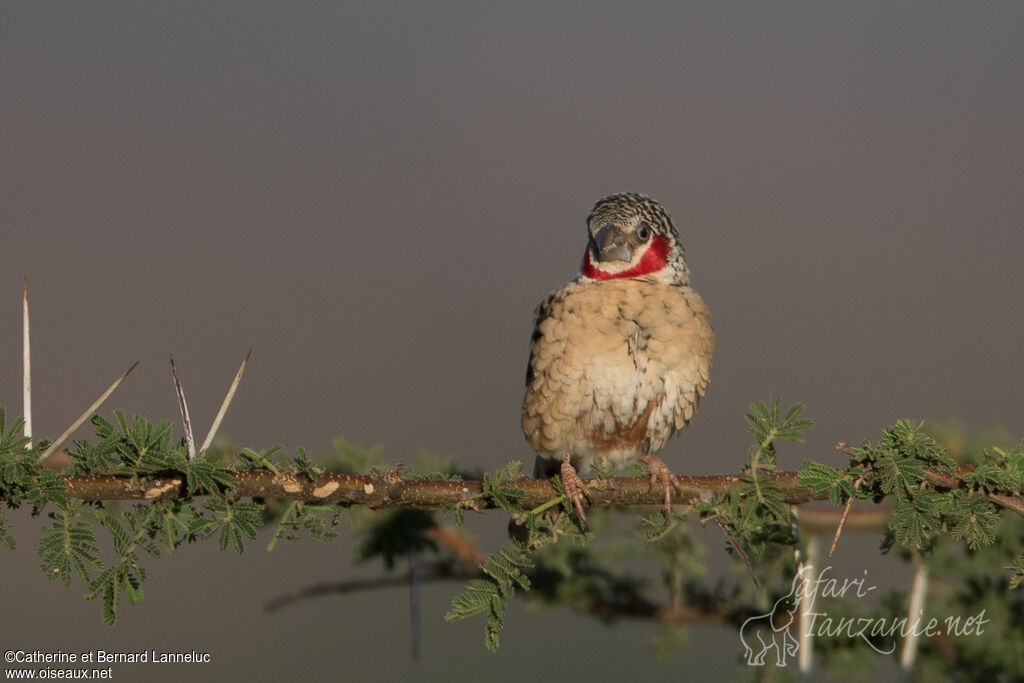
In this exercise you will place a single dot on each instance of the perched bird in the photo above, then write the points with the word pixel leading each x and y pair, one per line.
pixel 620 355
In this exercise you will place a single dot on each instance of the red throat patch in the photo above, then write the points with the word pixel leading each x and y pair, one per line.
pixel 653 260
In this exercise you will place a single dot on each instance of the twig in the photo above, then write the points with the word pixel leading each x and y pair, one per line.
pixel 63 438
pixel 183 408
pixel 844 448
pixel 224 405
pixel 955 482
pixel 739 550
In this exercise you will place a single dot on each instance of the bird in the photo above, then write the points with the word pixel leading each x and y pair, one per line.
pixel 620 356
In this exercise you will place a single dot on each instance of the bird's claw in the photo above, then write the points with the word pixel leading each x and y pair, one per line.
pixel 669 481
pixel 573 487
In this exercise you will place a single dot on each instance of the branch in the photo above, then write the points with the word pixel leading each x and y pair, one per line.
pixel 950 481
pixel 390 490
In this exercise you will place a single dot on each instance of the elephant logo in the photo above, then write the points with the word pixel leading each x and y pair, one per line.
pixel 771 631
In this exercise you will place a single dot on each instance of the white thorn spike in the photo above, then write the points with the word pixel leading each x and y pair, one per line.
pixel 224 406
pixel 26 359
pixel 183 407
pixel 63 438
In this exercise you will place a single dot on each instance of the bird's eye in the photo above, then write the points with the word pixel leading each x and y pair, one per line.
pixel 643 232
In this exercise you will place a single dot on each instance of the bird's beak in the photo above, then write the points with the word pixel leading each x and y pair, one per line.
pixel 612 244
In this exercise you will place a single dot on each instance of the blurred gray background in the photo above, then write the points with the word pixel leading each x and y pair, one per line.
pixel 374 196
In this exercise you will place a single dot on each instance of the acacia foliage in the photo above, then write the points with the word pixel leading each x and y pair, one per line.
pixel 941 513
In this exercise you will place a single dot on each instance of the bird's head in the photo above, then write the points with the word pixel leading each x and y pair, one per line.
pixel 631 236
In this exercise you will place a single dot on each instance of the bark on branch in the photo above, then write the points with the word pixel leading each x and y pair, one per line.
pixel 390 490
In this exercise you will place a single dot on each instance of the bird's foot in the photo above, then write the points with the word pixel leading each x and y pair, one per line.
pixel 574 488
pixel 659 470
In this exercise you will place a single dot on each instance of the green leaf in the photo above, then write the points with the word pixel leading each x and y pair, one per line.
pixel 974 520
pixel 12 440
pixel 503 571
pixel 765 426
pixel 5 533
pixel 68 547
pixel 105 586
pixel 908 440
pixel 121 579
pixel 170 522
pixel 817 477
pixel 303 463
pixel 203 474
pixel 1018 569
pixel 899 474
pixel 913 523
pixel 103 428
pixel 999 470
pixel 232 523
pixel 496 489
pixel 248 460
pixel 47 486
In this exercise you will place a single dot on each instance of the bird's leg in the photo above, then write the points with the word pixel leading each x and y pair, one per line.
pixel 573 487
pixel 668 480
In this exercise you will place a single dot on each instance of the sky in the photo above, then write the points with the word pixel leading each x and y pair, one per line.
pixel 373 197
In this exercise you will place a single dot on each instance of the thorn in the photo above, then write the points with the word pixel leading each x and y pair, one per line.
pixel 183 408
pixel 63 438
pixel 842 520
pixel 224 406
pixel 839 529
pixel 26 360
